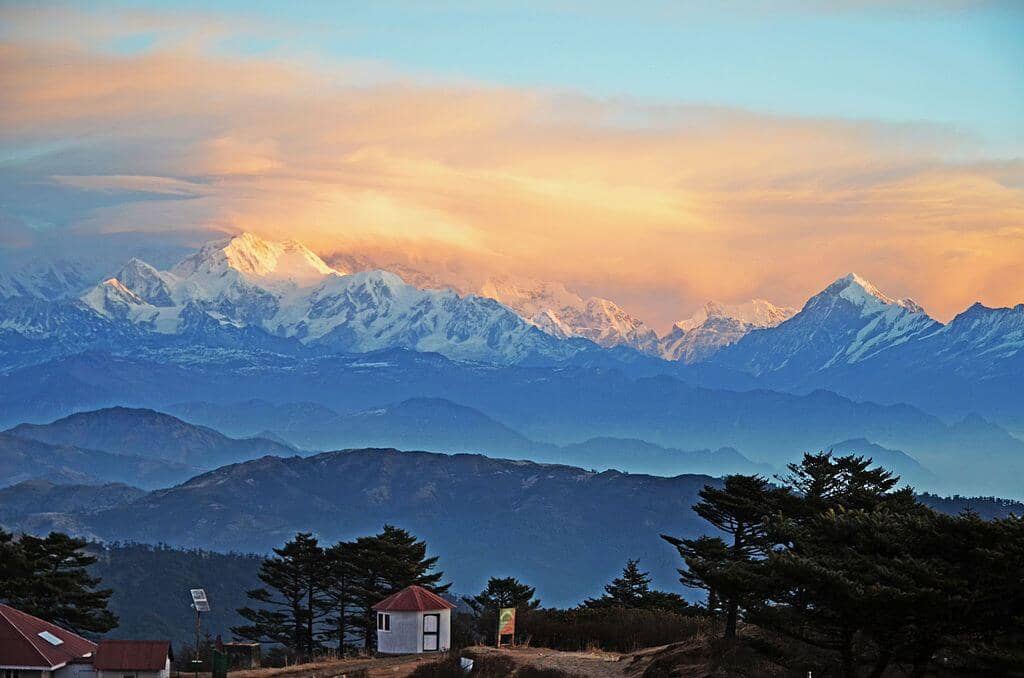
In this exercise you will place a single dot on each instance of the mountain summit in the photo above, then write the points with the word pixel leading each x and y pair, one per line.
pixel 847 322
pixel 716 325
pixel 860 292
pixel 564 314
pixel 259 261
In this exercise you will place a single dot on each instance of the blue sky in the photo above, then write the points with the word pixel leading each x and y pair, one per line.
pixel 949 63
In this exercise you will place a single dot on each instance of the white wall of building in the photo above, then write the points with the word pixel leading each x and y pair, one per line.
pixel 165 673
pixel 406 634
pixel 75 671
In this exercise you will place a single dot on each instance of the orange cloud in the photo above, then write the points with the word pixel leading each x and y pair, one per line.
pixel 658 207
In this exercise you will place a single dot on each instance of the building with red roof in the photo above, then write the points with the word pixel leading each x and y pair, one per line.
pixel 31 647
pixel 133 658
pixel 412 621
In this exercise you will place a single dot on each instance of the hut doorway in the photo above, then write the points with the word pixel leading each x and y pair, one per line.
pixel 431 632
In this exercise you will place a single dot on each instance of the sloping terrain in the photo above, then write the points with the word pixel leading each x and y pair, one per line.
pixel 565 529
pixel 149 434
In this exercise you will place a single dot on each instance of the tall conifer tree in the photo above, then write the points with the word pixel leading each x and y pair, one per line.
pixel 293 596
pixel 48 577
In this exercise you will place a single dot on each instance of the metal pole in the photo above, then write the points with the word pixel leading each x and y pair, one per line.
pixel 197 642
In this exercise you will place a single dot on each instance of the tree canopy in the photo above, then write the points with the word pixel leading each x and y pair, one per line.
pixel 48 577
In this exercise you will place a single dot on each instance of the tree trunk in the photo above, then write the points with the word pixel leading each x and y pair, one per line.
pixel 730 619
pixel 921 661
pixel 309 621
pixel 299 646
pixel 732 606
pixel 341 630
pixel 846 653
pixel 884 657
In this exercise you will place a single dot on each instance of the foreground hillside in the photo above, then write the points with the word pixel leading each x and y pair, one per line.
pixel 566 529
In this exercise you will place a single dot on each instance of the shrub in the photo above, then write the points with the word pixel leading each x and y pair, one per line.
pixel 612 629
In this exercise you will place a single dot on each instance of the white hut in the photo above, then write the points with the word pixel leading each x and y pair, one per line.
pixel 412 621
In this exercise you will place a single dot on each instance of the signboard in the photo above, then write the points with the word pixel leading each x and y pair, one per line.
pixel 507 621
pixel 199 600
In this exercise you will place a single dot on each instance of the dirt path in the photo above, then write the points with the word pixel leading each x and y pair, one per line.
pixel 377 667
pixel 596 663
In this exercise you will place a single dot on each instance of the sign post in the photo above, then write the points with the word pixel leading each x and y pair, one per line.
pixel 506 624
pixel 201 604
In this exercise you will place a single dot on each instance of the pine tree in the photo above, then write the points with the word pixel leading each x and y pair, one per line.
pixel 499 593
pixel 633 590
pixel 741 509
pixel 504 592
pixel 823 481
pixel 383 564
pixel 48 577
pixel 340 590
pixel 629 590
pixel 297 576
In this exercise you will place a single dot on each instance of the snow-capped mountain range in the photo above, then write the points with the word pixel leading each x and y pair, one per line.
pixel 564 314
pixel 716 326
pixel 247 292
pixel 848 321
pixel 288 292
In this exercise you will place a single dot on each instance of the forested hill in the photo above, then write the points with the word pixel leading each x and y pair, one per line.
pixel 563 528
pixel 151 589
pixel 986 507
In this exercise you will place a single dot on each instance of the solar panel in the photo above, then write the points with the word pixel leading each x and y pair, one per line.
pixel 199 600
pixel 50 638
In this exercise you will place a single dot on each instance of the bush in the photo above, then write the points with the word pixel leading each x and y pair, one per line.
pixel 612 629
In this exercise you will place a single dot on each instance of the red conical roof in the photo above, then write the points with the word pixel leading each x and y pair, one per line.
pixel 413 599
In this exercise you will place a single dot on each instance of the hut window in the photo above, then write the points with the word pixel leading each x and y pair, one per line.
pixel 383 621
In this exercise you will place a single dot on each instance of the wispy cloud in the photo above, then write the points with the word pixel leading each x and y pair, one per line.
pixel 660 207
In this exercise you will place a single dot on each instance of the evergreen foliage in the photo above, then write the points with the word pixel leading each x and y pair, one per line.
pixel 48 577
pixel 727 568
pixel 294 582
pixel 382 564
pixel 503 592
pixel 313 594
pixel 499 593
pixel 632 590
pixel 843 562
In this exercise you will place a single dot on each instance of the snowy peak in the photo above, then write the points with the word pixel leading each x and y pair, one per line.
pixel 757 313
pixel 988 331
pixel 863 294
pixel 111 299
pixel 258 261
pixel 849 321
pixel 562 313
pixel 146 282
pixel 42 279
pixel 716 326
pixel 529 298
